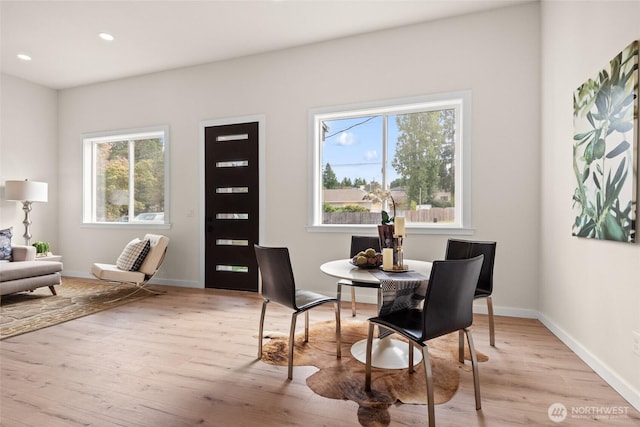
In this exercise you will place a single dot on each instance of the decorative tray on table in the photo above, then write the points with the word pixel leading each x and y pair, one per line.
pixel 396 269
pixel 365 266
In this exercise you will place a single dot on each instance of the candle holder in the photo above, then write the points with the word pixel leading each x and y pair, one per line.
pixel 398 259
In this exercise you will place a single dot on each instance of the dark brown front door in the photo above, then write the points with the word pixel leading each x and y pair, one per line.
pixel 232 206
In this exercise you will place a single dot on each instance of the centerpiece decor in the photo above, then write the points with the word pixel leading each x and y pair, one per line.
pixel 391 231
pixel 399 235
pixel 386 231
pixel 386 228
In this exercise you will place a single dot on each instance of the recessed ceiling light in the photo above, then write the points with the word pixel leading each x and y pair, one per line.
pixel 24 57
pixel 106 36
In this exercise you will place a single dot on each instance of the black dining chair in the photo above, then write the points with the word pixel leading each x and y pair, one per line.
pixel 448 307
pixel 360 243
pixel 461 249
pixel 278 285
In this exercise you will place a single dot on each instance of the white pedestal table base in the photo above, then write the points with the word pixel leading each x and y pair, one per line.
pixel 386 353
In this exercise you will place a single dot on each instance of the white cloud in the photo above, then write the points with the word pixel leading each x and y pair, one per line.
pixel 371 155
pixel 345 138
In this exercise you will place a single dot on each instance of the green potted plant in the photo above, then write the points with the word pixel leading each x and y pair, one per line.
pixel 42 248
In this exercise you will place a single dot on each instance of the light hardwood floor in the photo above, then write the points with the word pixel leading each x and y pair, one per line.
pixel 188 358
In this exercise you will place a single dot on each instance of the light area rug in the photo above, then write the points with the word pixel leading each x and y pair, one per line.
pixel 29 311
pixel 344 378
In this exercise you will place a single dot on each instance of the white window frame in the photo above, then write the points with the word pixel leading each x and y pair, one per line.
pixel 89 142
pixel 462 102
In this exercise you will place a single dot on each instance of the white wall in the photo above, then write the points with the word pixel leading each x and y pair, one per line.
pixel 28 150
pixel 495 55
pixel 589 289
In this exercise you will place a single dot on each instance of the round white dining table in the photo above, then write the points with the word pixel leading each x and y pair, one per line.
pixel 386 352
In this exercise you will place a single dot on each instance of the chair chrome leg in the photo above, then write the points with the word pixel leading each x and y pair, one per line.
pixel 429 379
pixel 411 370
pixel 137 288
pixel 492 331
pixel 353 301
pixel 306 326
pixel 367 369
pixel 261 329
pixel 292 333
pixel 460 346
pixel 338 331
pixel 474 364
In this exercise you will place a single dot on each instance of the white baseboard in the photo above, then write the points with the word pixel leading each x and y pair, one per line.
pixel 370 296
pixel 618 384
pixel 154 281
pixel 480 307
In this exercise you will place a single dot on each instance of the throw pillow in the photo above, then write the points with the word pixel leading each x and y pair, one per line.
pixel 5 244
pixel 133 254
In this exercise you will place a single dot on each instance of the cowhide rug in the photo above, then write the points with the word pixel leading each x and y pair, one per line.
pixel 344 378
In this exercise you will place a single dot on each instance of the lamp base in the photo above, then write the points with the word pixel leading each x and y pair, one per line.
pixel 26 207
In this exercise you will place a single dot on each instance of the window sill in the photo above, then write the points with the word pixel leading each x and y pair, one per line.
pixel 125 225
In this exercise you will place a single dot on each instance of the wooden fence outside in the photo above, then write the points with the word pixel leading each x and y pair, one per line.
pixel 423 215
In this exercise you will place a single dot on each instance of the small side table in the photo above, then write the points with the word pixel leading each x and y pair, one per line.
pixel 49 258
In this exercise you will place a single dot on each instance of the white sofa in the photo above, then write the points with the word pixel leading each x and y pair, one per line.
pixel 24 273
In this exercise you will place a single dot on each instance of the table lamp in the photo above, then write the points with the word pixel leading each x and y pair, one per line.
pixel 26 192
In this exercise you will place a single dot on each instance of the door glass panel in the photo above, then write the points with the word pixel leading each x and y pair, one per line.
pixel 232 242
pixel 232 216
pixel 239 137
pixel 233 268
pixel 233 164
pixel 228 190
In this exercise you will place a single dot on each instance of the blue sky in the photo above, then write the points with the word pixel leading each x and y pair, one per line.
pixel 354 149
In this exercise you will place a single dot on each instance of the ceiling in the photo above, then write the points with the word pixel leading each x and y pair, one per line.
pixel 62 39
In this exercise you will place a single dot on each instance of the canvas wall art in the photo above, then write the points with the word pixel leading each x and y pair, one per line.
pixel 605 150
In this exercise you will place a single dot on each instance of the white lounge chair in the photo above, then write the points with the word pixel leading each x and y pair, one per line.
pixel 139 278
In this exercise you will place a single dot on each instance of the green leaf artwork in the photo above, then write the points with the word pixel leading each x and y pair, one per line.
pixel 605 141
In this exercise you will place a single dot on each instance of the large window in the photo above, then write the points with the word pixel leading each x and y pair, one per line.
pixel 125 177
pixel 408 158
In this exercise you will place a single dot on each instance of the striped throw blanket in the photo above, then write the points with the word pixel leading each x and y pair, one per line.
pixel 400 291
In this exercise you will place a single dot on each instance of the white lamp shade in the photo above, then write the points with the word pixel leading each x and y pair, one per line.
pixel 26 191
